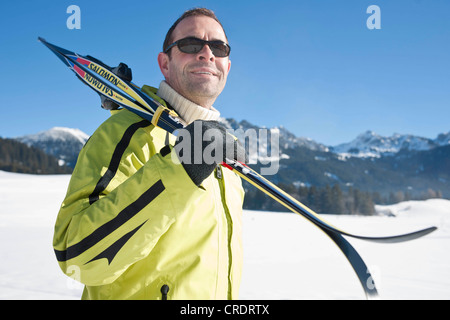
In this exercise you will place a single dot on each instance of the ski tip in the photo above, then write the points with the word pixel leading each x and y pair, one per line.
pixel 430 230
pixel 40 39
pixel 426 231
pixel 408 236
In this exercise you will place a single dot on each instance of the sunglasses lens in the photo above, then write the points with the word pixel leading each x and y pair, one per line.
pixel 194 45
pixel 190 45
pixel 219 48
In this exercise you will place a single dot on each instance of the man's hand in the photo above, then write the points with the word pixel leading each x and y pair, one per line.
pixel 202 145
pixel 123 72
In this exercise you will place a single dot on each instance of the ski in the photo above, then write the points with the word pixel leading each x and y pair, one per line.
pixel 294 205
pixel 99 77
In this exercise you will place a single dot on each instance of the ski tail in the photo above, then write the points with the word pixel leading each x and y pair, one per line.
pixel 357 263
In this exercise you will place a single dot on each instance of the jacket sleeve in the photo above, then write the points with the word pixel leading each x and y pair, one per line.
pixel 122 197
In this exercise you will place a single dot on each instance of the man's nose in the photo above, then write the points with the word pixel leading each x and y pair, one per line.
pixel 206 54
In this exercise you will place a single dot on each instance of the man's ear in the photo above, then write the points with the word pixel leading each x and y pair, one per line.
pixel 163 62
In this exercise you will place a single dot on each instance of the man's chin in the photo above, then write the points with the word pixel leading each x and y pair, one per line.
pixel 206 90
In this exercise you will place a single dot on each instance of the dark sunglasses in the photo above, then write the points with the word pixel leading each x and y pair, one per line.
pixel 194 45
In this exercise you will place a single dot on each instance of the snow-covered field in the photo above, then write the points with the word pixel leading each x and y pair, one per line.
pixel 286 257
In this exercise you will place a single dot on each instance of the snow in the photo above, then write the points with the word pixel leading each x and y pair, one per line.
pixel 285 256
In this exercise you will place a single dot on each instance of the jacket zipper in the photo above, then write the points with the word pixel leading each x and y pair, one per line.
pixel 164 290
pixel 219 176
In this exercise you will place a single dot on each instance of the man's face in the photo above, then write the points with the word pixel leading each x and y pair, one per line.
pixel 198 77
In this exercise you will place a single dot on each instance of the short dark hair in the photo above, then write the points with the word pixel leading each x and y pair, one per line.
pixel 186 14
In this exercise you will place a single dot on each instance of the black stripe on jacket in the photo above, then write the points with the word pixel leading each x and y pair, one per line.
pixel 101 232
pixel 115 160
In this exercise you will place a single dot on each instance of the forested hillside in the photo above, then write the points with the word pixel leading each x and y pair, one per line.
pixel 18 157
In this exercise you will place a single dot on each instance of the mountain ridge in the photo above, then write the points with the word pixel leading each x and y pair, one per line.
pixel 367 144
pixel 61 142
pixel 370 162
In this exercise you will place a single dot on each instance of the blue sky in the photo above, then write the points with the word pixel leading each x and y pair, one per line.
pixel 312 66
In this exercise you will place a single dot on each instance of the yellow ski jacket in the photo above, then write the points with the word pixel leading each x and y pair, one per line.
pixel 134 226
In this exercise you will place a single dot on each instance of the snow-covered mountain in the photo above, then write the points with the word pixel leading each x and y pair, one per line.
pixel 362 163
pixel 366 145
pixel 287 139
pixel 264 151
pixel 372 162
pixel 370 144
pixel 63 143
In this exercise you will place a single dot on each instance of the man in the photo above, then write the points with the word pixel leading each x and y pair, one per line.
pixel 137 225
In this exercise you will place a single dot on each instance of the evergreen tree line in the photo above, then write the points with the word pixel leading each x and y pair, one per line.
pixel 331 199
pixel 16 156
pixel 399 196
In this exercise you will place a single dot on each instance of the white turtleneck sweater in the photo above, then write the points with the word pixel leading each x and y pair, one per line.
pixel 185 108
